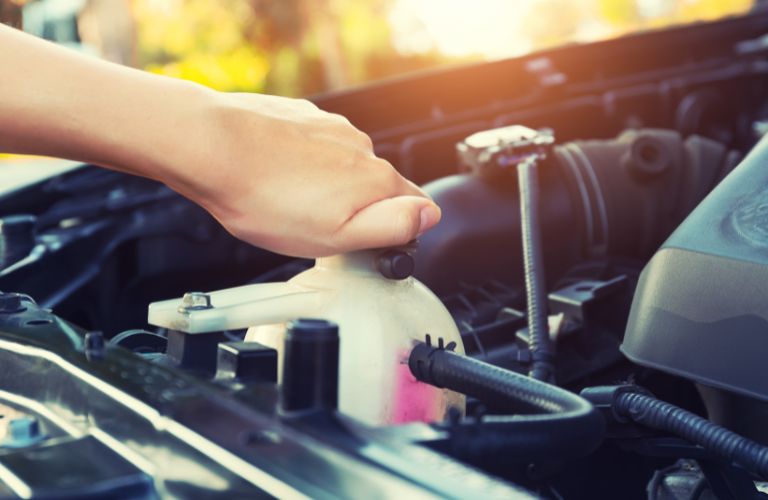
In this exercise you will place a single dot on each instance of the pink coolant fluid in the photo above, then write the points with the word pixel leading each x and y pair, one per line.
pixel 415 401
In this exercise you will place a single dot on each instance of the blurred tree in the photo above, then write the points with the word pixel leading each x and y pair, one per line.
pixel 323 44
pixel 202 41
pixel 288 47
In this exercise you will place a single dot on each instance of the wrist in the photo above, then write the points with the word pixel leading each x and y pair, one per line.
pixel 176 145
pixel 212 157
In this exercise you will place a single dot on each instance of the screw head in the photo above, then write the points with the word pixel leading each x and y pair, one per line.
pixel 195 301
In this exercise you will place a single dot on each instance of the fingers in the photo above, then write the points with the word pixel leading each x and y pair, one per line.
pixel 389 181
pixel 416 189
pixel 309 158
pixel 386 223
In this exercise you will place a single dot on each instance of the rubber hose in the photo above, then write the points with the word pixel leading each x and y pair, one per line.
pixel 656 414
pixel 550 421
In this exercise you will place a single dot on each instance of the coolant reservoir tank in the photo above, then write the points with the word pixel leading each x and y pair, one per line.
pixel 379 320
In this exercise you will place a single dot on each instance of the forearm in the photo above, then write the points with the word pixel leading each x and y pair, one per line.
pixel 255 162
pixel 56 102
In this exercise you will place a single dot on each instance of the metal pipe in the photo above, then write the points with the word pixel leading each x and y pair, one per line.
pixel 539 343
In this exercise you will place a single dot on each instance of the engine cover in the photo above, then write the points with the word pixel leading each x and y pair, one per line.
pixel 701 306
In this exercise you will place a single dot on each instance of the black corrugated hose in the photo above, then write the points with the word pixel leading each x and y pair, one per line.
pixel 549 421
pixel 646 410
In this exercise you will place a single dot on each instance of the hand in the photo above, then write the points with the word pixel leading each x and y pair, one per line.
pixel 276 172
pixel 286 176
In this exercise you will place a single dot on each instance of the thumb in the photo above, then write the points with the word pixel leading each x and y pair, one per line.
pixel 387 223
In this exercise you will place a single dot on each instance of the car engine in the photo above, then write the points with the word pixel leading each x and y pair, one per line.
pixel 589 319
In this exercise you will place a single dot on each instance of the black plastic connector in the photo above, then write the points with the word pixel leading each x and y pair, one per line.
pixel 196 352
pixel 310 367
pixel 246 362
pixel 603 399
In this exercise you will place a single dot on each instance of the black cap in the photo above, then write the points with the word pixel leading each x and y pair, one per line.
pixel 312 330
pixel 396 264
pixel 310 367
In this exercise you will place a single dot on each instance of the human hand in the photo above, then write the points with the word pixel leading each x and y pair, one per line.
pixel 276 172
pixel 286 176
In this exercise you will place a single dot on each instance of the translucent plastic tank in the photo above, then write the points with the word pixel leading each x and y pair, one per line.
pixel 379 321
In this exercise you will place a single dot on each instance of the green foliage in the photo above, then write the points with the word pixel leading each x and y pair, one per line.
pixel 202 41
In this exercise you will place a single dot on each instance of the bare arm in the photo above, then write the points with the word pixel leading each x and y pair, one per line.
pixel 276 172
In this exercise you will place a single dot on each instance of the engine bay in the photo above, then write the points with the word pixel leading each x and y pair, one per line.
pixel 147 353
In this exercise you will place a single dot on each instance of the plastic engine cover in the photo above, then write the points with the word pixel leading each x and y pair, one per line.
pixel 701 306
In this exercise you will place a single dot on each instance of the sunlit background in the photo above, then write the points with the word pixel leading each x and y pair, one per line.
pixel 304 47
pixel 300 47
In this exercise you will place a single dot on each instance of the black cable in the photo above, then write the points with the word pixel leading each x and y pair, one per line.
pixel 651 412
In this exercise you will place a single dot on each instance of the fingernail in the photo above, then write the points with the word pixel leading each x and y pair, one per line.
pixel 430 215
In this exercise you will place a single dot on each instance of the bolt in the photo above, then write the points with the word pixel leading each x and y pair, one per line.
pixel 395 264
pixel 195 301
pixel 533 261
pixel 11 303
pixel 94 346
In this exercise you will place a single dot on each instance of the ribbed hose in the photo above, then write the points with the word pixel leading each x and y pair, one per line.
pixel 551 420
pixel 533 262
pixel 651 412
